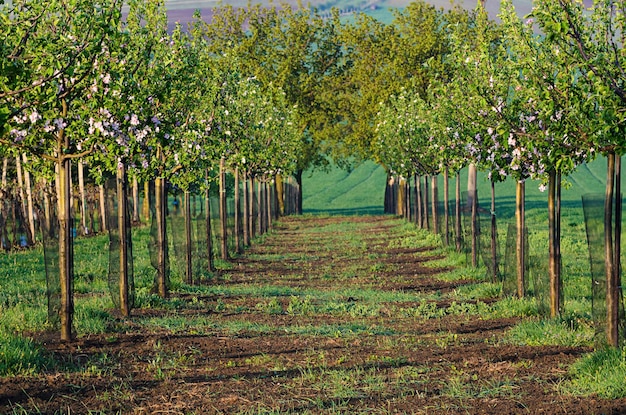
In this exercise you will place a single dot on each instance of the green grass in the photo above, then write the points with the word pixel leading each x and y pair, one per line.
pixel 600 373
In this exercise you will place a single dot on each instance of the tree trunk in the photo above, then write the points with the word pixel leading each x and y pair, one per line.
pixel 260 208
pixel 434 203
pixel 161 237
pixel 446 202
pixel 472 205
pixel 237 213
pixel 457 213
pixel 146 201
pixel 280 194
pixel 612 275
pixel 124 235
pixel 83 198
pixel 418 201
pixel 246 207
pixel 268 201
pixel 223 212
pixel 252 206
pixel 494 235
pixel 298 175
pixel 23 204
pixel 5 166
pixel 208 229
pixel 554 240
pixel 520 219
pixel 425 207
pixel 136 217
pixel 103 209
pixel 66 246
pixel 188 242
pixel 30 207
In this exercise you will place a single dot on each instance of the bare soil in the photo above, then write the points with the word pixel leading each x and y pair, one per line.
pixel 282 361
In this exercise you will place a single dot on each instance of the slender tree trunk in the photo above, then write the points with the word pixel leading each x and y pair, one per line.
pixel 612 280
pixel 136 217
pixel 188 242
pixel 252 207
pixel 209 229
pixel 419 202
pixel 23 203
pixel 617 250
pixel 457 213
pixel 494 235
pixel 416 207
pixel 553 245
pixel 446 203
pixel 29 202
pixel 260 198
pixel 298 176
pixel 223 210
pixel 66 246
pixel 83 197
pixel 246 208
pixel 5 167
pixel 103 209
pixel 425 208
pixel 280 194
pixel 520 219
pixel 472 205
pixel 434 203
pixel 124 233
pixel 268 208
pixel 146 201
pixel 237 213
pixel 161 227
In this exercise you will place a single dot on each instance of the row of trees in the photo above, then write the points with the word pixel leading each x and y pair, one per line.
pixel 269 91
pixel 522 99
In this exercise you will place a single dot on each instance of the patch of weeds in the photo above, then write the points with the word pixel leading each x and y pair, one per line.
pixel 601 372
pixel 22 356
pixel 272 306
pixel 514 307
pixel 300 306
pixel 554 332
pixel 478 291
pixel 447 340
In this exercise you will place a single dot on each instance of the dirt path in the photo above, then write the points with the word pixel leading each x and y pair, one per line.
pixel 326 316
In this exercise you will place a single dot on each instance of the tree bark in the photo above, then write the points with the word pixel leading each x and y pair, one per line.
pixel 425 207
pixel 66 246
pixel 30 207
pixel 223 212
pixel 208 229
pixel 136 217
pixel 457 214
pixel 612 282
pixel 520 219
pixel 280 194
pixel 246 207
pixel 419 202
pixel 434 202
pixel 146 201
pixel 553 245
pixel 237 213
pixel 298 176
pixel 124 235
pixel 188 242
pixel 5 167
pixel 494 235
pixel 446 202
pixel 103 209
pixel 83 198
pixel 161 237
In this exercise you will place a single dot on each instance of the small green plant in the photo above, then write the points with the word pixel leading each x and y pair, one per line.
pixel 21 356
pixel 602 373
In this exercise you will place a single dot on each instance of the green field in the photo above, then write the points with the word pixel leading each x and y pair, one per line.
pixel 361 190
